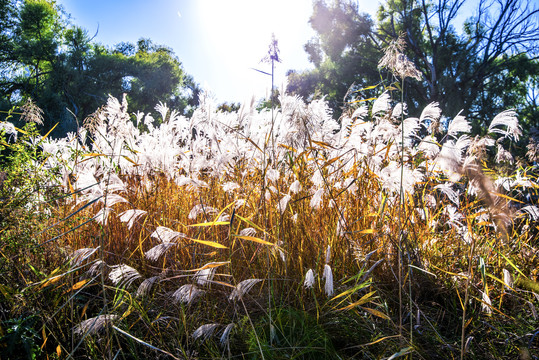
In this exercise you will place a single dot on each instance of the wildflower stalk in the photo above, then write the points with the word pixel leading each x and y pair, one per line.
pixel 401 67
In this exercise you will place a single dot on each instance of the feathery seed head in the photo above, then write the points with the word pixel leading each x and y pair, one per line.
pixel 166 235
pixel 159 250
pixel 243 288
pixel 395 60
pixel 94 325
pixel 509 120
pixel 146 286
pixel 130 216
pixel 204 332
pixel 187 293
pixel 328 276
pixel 123 275
pixel 224 340
pixel 309 279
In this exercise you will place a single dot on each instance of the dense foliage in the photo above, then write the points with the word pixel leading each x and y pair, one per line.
pixel 486 65
pixel 45 57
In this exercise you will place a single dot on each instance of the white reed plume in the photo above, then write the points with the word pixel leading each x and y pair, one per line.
pixel 204 332
pixel 113 183
pixel 400 110
pixel 10 130
pixel 123 275
pixel 130 216
pixel 486 304
pixel 430 117
pixel 295 187
pixel 429 146
pixel 503 155
pixel 382 104
pixel 159 250
pixel 411 126
pixel 102 216
pixel 431 112
pixel 309 279
pixel 80 255
pixel 531 210
pixel 284 202
pixel 166 235
pixel 224 340
pixel 507 279
pixel 94 325
pixel 248 232
pixel 273 175
pixel 450 158
pixel 391 177
pixel 317 178
pixel 146 286
pixel 458 124
pixel 187 293
pixel 230 186
pixel 97 267
pixel 243 288
pixel 454 217
pixel 328 276
pixel 328 254
pixel 201 209
pixel 447 189
pixel 206 274
pixel 395 60
pixel 316 200
pixel 360 113
pixel 509 120
pixel 162 109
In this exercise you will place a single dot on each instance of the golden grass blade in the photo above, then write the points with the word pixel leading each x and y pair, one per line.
pixel 376 313
pixel 249 222
pixel 131 161
pixel 367 231
pixel 49 132
pixel 21 131
pixel 93 155
pixel 226 207
pixel 363 100
pixel 254 239
pixel 367 88
pixel 209 266
pixel 211 223
pixel 79 284
pixel 210 243
pixel 508 197
pixel 351 291
pixel 375 341
pixel 364 299
pixel 323 144
pixel 51 281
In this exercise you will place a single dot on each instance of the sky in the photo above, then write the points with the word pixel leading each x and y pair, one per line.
pixel 219 42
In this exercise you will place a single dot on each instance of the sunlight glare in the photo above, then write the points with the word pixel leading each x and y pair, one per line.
pixel 238 33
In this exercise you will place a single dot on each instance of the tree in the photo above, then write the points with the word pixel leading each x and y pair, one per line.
pixel 45 58
pixel 344 53
pixel 486 67
pixel 465 70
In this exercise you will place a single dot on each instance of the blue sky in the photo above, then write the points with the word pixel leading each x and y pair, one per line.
pixel 218 41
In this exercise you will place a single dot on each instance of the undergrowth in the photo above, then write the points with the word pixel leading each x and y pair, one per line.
pixel 378 236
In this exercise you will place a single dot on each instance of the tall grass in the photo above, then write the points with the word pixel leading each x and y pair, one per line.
pixel 190 239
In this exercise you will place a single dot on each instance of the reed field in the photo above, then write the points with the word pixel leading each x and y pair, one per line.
pixel 270 234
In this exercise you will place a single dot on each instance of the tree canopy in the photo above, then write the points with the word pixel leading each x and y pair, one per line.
pixel 45 57
pixel 489 64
